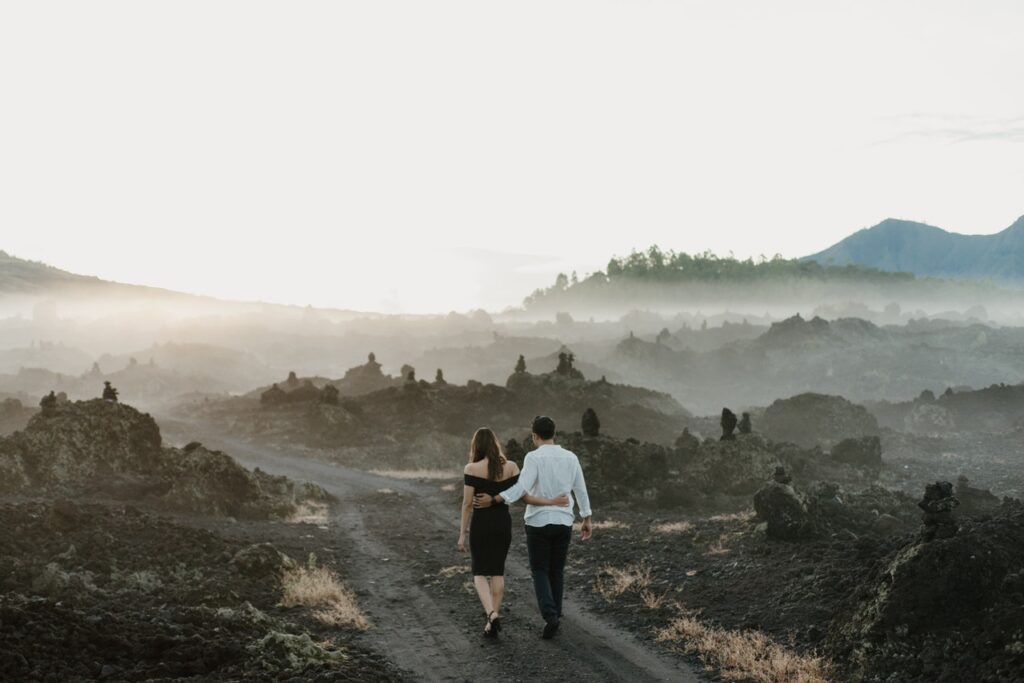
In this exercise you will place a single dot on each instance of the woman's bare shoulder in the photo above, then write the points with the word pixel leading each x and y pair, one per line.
pixel 511 469
pixel 472 468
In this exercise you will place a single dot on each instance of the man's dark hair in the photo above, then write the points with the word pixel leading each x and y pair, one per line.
pixel 544 427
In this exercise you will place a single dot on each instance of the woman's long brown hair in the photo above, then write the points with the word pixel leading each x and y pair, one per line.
pixel 485 446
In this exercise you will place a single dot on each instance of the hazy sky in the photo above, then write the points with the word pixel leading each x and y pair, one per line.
pixel 429 156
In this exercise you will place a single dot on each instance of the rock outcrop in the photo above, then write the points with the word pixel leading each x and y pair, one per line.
pixel 948 608
pixel 811 419
pixel 109 447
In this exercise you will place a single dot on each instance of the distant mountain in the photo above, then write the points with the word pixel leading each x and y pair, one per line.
pixel 23 277
pixel 904 246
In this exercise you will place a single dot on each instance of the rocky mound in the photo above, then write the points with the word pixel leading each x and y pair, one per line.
pixel 423 424
pixel 942 609
pixel 810 419
pixel 825 509
pixel 817 332
pixel 111 448
pixel 90 592
pixel 14 415
pixel 997 408
pixel 715 474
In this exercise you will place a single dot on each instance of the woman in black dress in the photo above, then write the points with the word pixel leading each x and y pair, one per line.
pixel 490 534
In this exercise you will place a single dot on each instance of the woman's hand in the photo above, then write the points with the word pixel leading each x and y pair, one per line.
pixel 462 543
pixel 562 500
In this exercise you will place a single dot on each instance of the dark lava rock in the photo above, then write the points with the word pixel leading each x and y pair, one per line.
pixel 261 559
pixel 954 604
pixel 728 423
pixel 864 451
pixel 784 511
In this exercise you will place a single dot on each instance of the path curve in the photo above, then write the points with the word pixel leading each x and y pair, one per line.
pixel 414 624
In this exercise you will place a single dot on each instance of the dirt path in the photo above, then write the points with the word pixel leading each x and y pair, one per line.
pixel 424 618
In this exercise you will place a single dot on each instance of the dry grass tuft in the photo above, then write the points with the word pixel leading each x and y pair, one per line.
pixel 314 586
pixel 747 655
pixel 718 549
pixel 744 516
pixel 652 601
pixel 614 581
pixel 449 572
pixel 448 488
pixel 673 528
pixel 386 492
pixel 310 512
pixel 419 474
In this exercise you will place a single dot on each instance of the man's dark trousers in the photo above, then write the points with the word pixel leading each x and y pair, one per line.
pixel 548 547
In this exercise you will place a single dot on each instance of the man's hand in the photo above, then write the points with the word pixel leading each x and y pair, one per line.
pixel 587 528
pixel 483 500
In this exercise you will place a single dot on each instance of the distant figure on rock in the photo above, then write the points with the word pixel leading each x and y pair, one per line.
pixel 938 505
pixel 590 424
pixel 521 364
pixel 48 403
pixel 745 426
pixel 411 376
pixel 292 380
pixel 372 358
pixel 728 423
pixel 109 392
pixel 439 377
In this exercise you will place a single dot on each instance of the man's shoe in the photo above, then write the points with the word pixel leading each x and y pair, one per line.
pixel 550 629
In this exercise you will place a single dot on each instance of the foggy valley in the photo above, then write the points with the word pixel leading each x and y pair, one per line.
pixel 468 341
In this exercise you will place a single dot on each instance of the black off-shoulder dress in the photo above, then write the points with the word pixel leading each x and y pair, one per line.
pixel 490 530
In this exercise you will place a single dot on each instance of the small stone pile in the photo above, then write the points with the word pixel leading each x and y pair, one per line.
pixel 938 505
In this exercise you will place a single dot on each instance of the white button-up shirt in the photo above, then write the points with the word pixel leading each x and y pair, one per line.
pixel 549 472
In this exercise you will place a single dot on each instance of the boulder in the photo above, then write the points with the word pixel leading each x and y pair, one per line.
pixel 260 560
pixel 784 511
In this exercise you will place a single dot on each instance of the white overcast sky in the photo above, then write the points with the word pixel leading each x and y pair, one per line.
pixel 429 156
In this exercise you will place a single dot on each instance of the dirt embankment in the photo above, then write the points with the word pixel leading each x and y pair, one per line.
pixel 104 592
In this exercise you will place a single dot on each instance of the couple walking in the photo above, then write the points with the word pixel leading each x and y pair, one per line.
pixel 492 482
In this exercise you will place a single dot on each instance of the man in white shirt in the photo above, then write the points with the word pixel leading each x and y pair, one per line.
pixel 549 471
